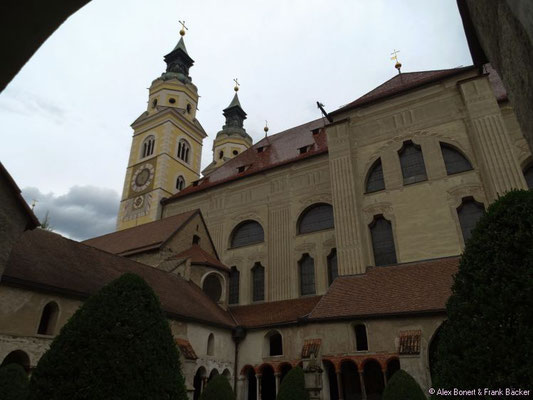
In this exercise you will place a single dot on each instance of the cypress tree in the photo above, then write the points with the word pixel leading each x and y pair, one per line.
pixel 218 388
pixel 487 341
pixel 118 345
pixel 402 386
pixel 293 386
pixel 13 382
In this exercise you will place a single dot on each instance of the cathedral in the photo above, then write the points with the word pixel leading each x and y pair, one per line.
pixel 331 245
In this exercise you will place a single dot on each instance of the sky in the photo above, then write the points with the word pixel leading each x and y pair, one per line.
pixel 66 116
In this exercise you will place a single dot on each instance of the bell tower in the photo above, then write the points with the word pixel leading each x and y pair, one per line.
pixel 232 139
pixel 166 148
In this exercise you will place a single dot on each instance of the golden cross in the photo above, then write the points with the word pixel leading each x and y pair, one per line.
pixel 394 55
pixel 236 82
pixel 183 25
pixel 33 204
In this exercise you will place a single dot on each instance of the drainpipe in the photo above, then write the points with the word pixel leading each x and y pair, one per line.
pixel 238 334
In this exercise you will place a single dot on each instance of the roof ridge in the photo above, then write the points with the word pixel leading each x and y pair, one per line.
pixel 276 301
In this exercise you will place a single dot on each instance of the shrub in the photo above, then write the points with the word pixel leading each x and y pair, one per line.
pixel 293 386
pixel 218 388
pixel 487 341
pixel 117 345
pixel 13 382
pixel 402 386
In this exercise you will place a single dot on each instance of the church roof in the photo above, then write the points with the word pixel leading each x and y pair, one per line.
pixel 271 152
pixel 47 261
pixel 149 236
pixel 409 288
pixel 200 256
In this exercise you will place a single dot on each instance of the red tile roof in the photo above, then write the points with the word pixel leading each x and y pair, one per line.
pixel 186 349
pixel 277 150
pixel 45 260
pixel 417 287
pixel 311 347
pixel 400 84
pixel 200 256
pixel 273 313
pixel 141 238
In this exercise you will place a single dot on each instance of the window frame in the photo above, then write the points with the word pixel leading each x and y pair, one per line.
pixel 371 226
pixel 184 149
pixel 311 272
pixel 232 295
pixel 240 226
pixel 255 269
pixel 467 200
pixel 147 146
pixel 306 212
pixel 414 178
pixel 450 147
pixel 377 163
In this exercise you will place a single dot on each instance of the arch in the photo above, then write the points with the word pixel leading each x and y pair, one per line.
pixel 333 388
pixel 195 239
pixel 412 163
pixel 469 213
pixel 17 357
pixel 333 271
pixel 268 383
pixel 382 241
pixel 214 372
pixel 183 150
pixel 373 378
pixel 393 365
pixel 227 374
pixel 528 175
pixel 351 384
pixel 212 286
pixel 210 345
pixel 258 282
pixel 454 159
pixel 234 281
pixel 246 233
pixel 221 154
pixel 433 351
pixel 49 317
pixel 284 369
pixel 251 387
pixel 361 337
pixel 274 343
pixel 180 183
pixel 198 381
pixel 147 147
pixel 374 179
pixel 306 273
pixel 315 218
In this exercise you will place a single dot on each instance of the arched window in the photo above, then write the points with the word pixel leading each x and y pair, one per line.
pixel 234 277
pixel 275 343
pixel 180 183
pixel 17 357
pixel 48 320
pixel 183 150
pixel 454 160
pixel 212 287
pixel 374 180
pixel 221 154
pixel 333 271
pixel 412 162
pixel 247 232
pixel 211 345
pixel 361 341
pixel 147 147
pixel 469 213
pixel 528 174
pixel 258 282
pixel 382 241
pixel 195 239
pixel 307 275
pixel 316 218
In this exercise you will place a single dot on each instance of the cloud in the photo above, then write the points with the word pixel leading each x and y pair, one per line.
pixel 82 213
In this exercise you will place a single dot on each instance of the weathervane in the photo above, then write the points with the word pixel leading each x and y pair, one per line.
pixel 183 28
pixel 266 128
pixel 398 65
pixel 237 84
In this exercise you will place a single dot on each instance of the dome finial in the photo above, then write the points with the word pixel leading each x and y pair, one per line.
pixel 183 28
pixel 237 84
pixel 266 128
pixel 398 64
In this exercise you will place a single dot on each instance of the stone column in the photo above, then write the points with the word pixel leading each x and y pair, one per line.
pixel 240 389
pixel 277 375
pixel 362 382
pixel 339 384
pixel 258 386
pixel 384 372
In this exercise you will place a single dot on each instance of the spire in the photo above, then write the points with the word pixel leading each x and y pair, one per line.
pixel 235 117
pixel 178 61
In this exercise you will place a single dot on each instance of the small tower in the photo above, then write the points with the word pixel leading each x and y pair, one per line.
pixel 167 141
pixel 232 139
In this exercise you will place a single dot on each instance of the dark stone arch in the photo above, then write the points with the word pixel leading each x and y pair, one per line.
pixel 214 372
pixel 433 351
pixel 351 384
pixel 198 382
pixel 374 381
pixel 17 357
pixel 393 365
pixel 332 378
pixel 48 322
pixel 284 370
pixel 268 383
pixel 252 384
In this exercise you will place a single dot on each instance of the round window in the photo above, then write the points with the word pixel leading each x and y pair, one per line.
pixel 212 287
pixel 235 152
pixel 172 100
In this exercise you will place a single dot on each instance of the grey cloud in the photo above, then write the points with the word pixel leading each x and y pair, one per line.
pixel 82 213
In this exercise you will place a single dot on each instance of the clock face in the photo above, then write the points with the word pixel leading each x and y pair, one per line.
pixel 142 177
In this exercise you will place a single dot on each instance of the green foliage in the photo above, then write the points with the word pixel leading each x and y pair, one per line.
pixel 293 386
pixel 402 386
pixel 46 223
pixel 487 341
pixel 13 382
pixel 118 345
pixel 218 388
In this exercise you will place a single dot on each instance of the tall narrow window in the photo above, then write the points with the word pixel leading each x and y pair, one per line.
pixel 469 213
pixel 234 277
pixel 247 232
pixel 412 162
pixel 453 159
pixel 180 183
pixel 316 218
pixel 148 146
pixel 361 341
pixel 275 344
pixel 258 282
pixel 332 266
pixel 195 239
pixel 48 321
pixel 211 345
pixel 382 241
pixel 307 275
pixel 528 174
pixel 183 150
pixel 374 180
